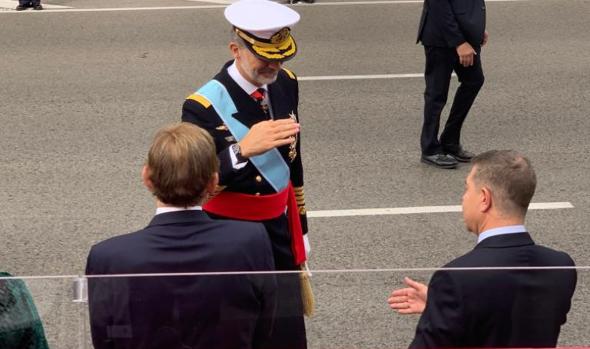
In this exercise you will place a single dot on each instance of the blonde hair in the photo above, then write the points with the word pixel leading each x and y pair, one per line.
pixel 181 163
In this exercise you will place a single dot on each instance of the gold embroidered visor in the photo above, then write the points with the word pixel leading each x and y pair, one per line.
pixel 280 47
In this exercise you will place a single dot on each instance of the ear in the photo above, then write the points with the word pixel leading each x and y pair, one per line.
pixel 212 185
pixel 485 199
pixel 145 177
pixel 234 49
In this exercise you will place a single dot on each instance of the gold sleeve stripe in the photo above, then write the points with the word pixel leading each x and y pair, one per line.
pixel 200 99
pixel 290 73
pixel 302 210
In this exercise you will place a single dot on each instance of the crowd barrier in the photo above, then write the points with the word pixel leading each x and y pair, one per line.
pixel 351 309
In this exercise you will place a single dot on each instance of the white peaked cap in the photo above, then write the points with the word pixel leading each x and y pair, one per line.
pixel 261 18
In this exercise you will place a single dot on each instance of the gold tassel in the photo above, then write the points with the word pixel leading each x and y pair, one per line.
pixel 306 291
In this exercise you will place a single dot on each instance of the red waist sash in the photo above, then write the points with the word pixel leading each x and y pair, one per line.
pixel 261 208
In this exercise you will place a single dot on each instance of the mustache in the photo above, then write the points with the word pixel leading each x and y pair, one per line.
pixel 267 71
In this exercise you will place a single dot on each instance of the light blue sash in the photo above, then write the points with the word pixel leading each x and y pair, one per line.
pixel 270 164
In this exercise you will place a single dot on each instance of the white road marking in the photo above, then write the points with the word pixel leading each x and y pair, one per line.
pixel 359 77
pixel 378 2
pixel 11 4
pixel 218 4
pixel 122 9
pixel 362 77
pixel 221 2
pixel 420 209
pixel 344 3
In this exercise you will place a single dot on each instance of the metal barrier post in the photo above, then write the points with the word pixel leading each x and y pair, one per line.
pixel 80 295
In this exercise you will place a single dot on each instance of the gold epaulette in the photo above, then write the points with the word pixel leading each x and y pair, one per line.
pixel 290 73
pixel 300 197
pixel 200 99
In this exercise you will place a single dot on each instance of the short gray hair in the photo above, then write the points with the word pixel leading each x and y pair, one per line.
pixel 234 37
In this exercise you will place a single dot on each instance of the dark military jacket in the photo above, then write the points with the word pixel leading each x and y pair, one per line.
pixel 284 98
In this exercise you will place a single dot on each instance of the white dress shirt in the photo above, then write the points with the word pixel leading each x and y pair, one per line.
pixel 167 209
pixel 509 229
pixel 249 88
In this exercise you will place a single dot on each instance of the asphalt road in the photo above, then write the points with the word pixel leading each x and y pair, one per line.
pixel 83 92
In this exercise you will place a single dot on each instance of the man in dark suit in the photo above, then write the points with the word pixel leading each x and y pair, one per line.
pixel 182 311
pixel 251 110
pixel 452 32
pixel 502 307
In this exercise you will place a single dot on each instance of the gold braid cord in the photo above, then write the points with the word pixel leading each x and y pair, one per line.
pixel 300 197
pixel 306 291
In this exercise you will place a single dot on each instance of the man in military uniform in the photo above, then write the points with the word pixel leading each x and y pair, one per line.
pixel 250 109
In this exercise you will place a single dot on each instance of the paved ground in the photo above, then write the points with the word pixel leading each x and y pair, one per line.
pixel 83 92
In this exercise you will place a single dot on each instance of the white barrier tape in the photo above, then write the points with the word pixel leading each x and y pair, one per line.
pixel 280 272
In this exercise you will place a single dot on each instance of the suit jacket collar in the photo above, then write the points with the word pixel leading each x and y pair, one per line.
pixel 249 112
pixel 189 216
pixel 507 240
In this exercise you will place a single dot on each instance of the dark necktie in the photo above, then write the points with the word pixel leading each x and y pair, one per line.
pixel 258 96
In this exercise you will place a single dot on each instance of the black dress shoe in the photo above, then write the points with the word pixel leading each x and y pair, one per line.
pixel 38 7
pixel 459 153
pixel 21 8
pixel 439 160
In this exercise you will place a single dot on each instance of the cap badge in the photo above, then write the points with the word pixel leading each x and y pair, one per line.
pixel 280 36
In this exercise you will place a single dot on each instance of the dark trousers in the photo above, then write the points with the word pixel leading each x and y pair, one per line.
pixel 289 326
pixel 440 64
pixel 29 3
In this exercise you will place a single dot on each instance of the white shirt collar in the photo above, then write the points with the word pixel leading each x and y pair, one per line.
pixel 246 85
pixel 161 210
pixel 509 229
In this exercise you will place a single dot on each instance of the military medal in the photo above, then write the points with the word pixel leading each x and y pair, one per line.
pixel 292 146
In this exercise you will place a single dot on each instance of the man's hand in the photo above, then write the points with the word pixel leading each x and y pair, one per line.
pixel 466 54
pixel 266 135
pixel 485 38
pixel 409 300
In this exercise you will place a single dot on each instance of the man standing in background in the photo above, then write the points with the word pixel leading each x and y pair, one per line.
pixel 452 32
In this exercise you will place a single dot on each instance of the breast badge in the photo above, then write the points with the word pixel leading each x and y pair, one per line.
pixel 293 145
